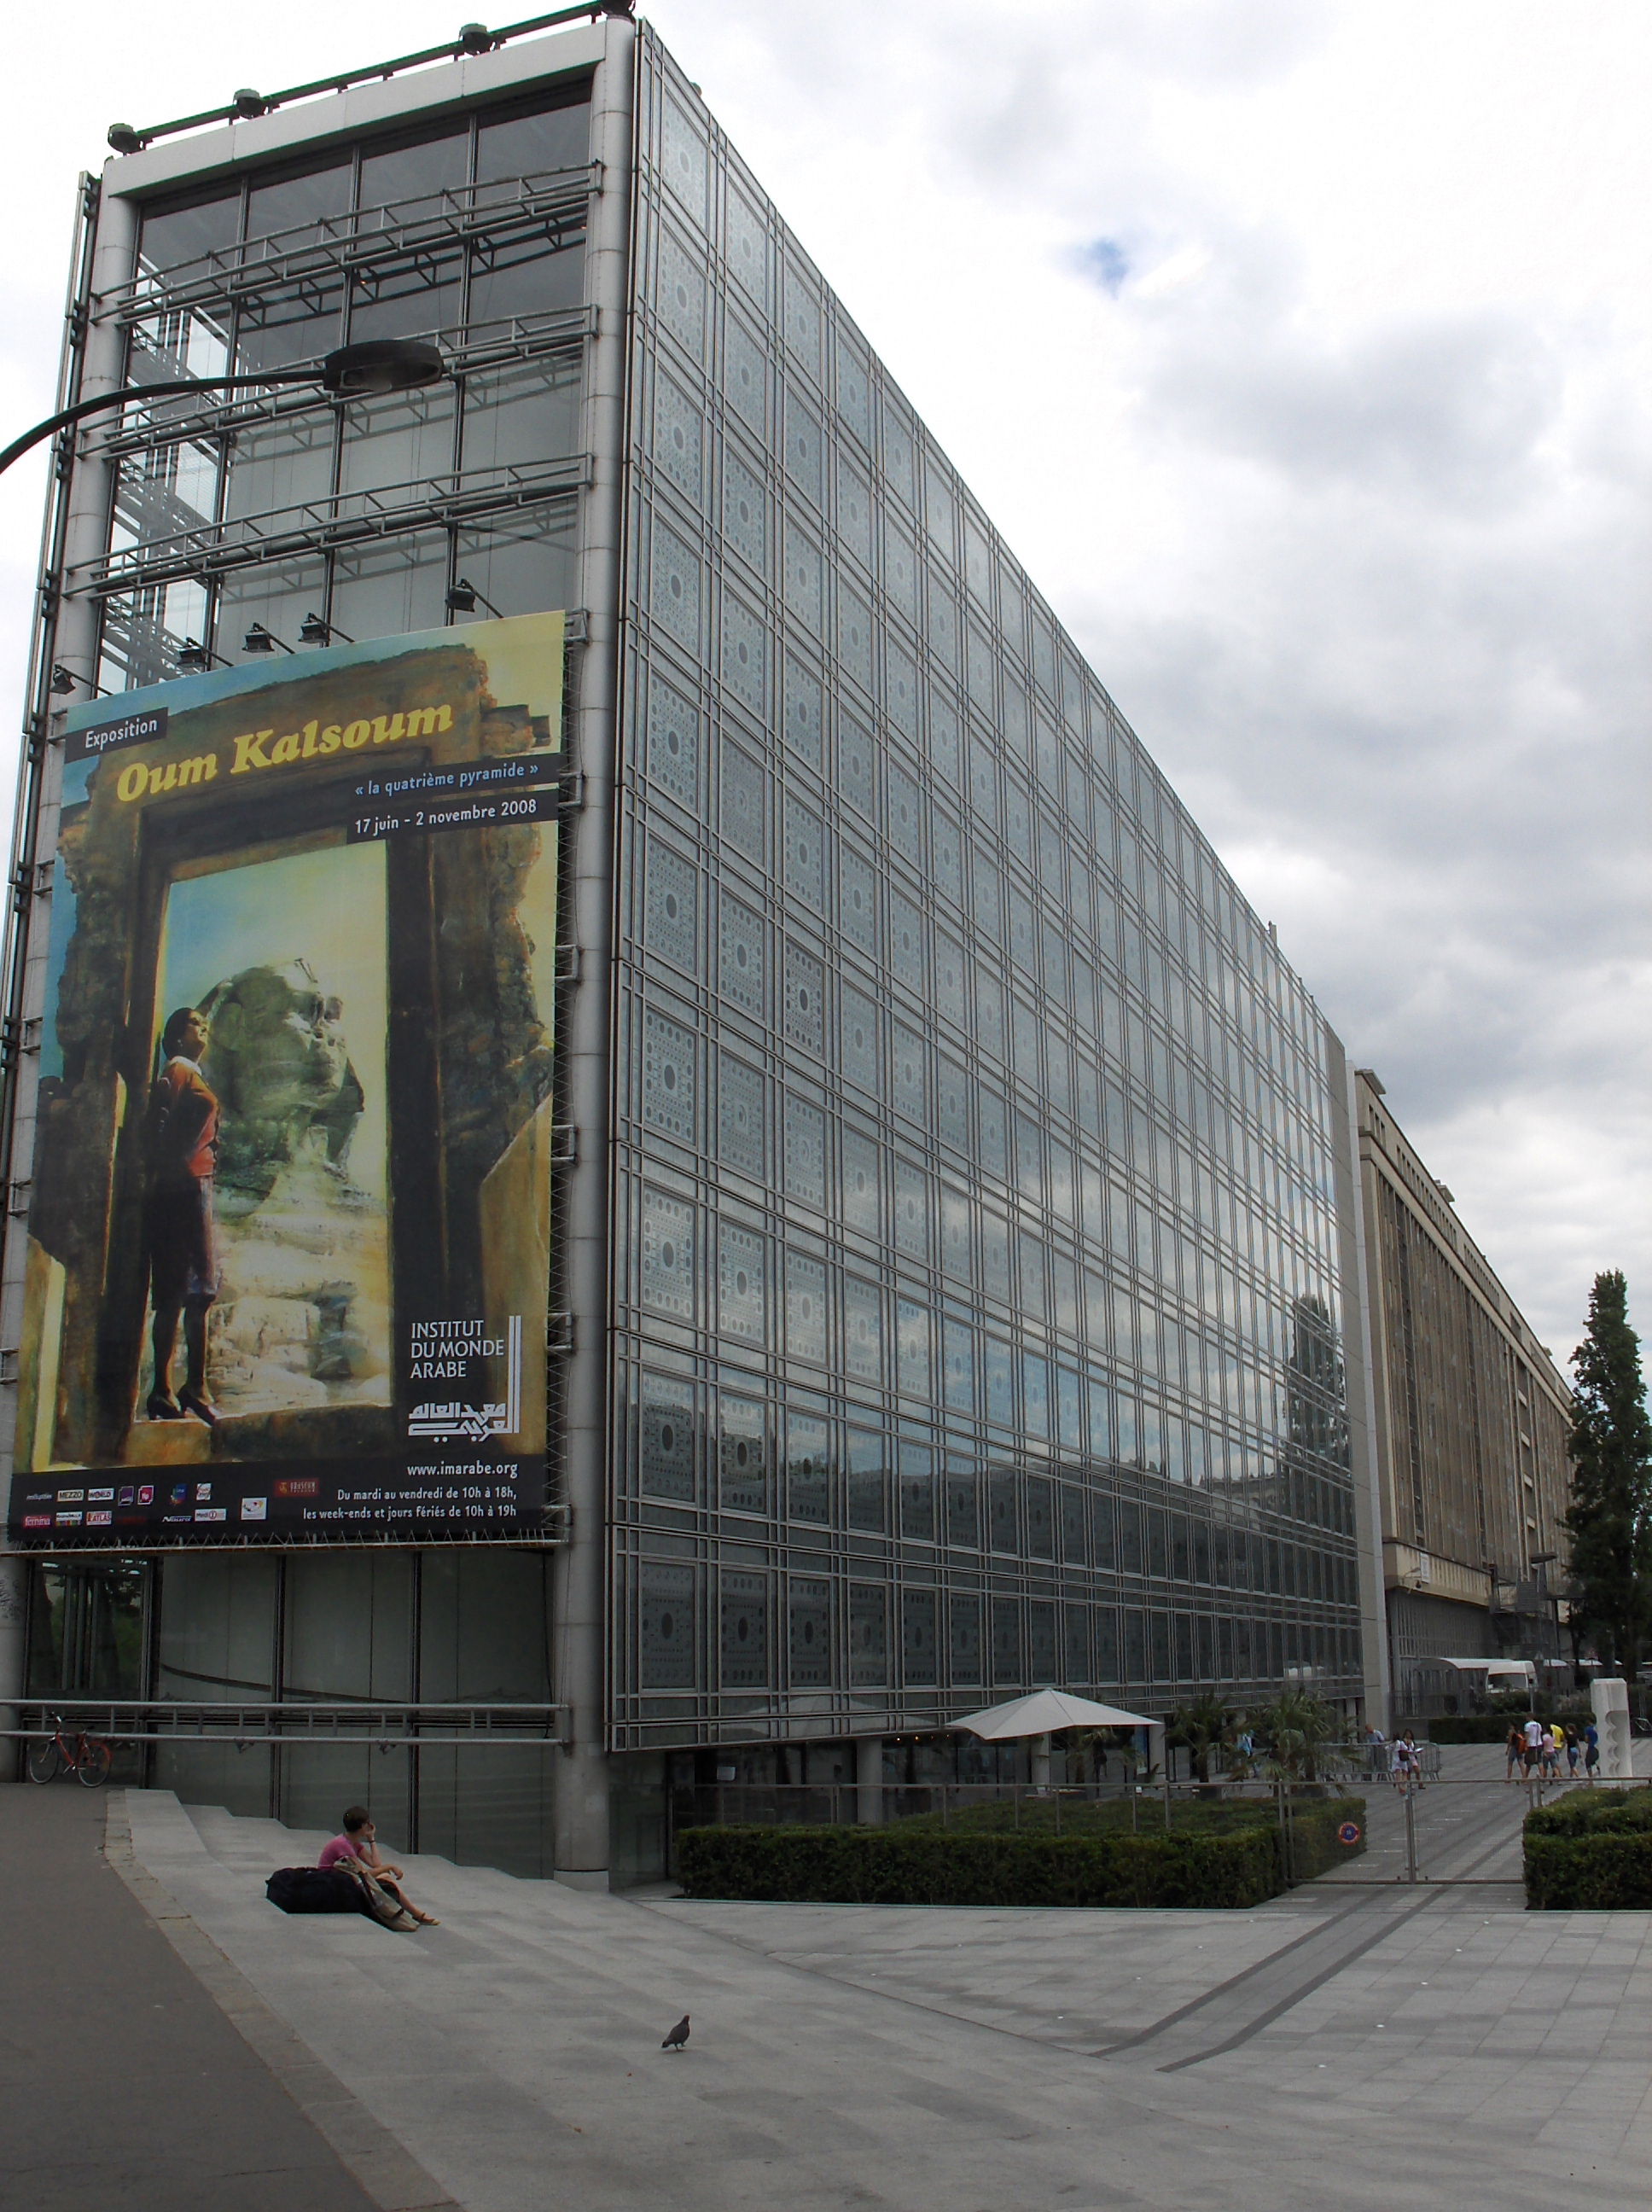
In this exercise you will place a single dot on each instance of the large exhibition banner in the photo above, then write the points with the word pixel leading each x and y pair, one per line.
pixel 288 1228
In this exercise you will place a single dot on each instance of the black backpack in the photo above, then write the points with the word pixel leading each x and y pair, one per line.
pixel 314 1889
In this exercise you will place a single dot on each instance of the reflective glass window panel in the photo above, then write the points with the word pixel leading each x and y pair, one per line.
pixel 906 829
pixel 805 839
pixel 742 1455
pixel 952 1103
pixel 279 465
pixel 863 1331
pixel 665 1626
pixel 744 1601
pixel 998 1363
pixel 523 562
pixel 745 512
pixel 810 1633
pixel 854 512
pixel 745 655
pixel 808 1469
pixel 957 1254
pixel 980 669
pixel 1027 1034
pixel 1076 1662
pixel 868 1454
pixel 805 990
pixel 900 458
pixel 1035 1393
pixel 868 1633
pixel 534 141
pixel 668 1259
pixel 673 739
pixel 674 586
pixel 1029 1265
pixel 901 570
pixel 911 1210
pixel 300 204
pixel 910 1076
pixel 1029 1158
pixel 1040 1641
pixel 901 693
pixel 804 587
pixel 390 588
pixel 940 512
pixel 419 167
pixel 911 1349
pixel 943 624
pixel 1023 935
pixel 741 1142
pixel 667 1424
pixel 862 1210
pixel 946 846
pixel 1003 1528
pixel 958 1366
pixel 860 1041
pixel 668 1078
pixel 278 595
pixel 189 225
pixel 992 1124
pixel 683 159
pixel 1007 1639
pixel 964 1637
pixel 680 297
pixel 906 934
pixel 989 1015
pixel 672 888
pixel 805 455
pixel 741 1299
pixel 806 1308
pixel 744 797
pixel 857 773
pixel 855 638
pixel 290 323
pixel 1074 1525
pixel 745 376
pixel 996 1279
pixel 408 296
pixel 946 741
pixel 806 1152
pixel 745 238
pixel 679 436
pixel 401 440
pixel 962 1490
pixel 858 901
pixel 916 1465
pixel 920 1652
pixel 802 323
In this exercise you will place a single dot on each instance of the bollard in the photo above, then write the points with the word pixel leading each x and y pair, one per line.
pixel 1411 1838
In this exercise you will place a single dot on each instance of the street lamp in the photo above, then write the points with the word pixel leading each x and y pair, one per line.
pixel 366 371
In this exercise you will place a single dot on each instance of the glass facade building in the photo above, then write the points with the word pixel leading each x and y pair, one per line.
pixel 952 1225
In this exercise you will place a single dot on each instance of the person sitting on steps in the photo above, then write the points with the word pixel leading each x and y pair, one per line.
pixel 358 1843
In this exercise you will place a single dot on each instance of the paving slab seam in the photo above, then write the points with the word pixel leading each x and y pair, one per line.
pixel 383 2166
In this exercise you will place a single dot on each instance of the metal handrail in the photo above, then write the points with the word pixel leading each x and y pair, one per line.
pixel 254 264
pixel 246 106
pixel 344 518
pixel 241 1722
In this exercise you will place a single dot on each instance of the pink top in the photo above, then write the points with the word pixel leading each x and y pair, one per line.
pixel 341 1847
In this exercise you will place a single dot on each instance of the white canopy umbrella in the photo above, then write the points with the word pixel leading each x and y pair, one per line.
pixel 1044 1713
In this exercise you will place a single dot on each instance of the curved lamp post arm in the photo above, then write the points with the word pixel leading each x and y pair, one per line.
pixel 82 407
pixel 366 370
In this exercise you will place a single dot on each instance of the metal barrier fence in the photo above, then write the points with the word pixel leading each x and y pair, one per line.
pixel 166 1720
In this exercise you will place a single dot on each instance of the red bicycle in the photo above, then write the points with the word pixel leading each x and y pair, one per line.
pixel 88 1758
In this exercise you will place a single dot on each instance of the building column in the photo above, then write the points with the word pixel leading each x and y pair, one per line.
pixel 68 634
pixel 869 1779
pixel 579 1580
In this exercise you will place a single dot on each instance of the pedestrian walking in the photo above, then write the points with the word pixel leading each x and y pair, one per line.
pixel 1376 1752
pixel 1548 1755
pixel 1532 1746
pixel 1591 1752
pixel 1574 1752
pixel 1514 1748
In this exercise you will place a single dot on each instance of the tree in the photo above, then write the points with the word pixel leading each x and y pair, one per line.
pixel 1610 1517
pixel 1199 1727
pixel 1306 1736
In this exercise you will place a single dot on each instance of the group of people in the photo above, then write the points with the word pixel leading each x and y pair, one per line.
pixel 1401 1760
pixel 1534 1749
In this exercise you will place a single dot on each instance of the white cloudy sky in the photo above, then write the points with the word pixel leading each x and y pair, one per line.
pixel 1301 349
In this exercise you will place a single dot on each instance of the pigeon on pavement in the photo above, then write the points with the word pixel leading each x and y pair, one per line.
pixel 679 2036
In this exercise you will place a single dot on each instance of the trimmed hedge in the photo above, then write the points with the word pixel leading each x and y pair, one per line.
pixel 1220 1862
pixel 1591 1852
pixel 1469 1727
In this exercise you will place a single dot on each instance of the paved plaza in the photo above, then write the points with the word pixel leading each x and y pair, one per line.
pixel 1361 2043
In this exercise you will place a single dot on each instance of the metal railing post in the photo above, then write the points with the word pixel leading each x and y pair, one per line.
pixel 1411 1836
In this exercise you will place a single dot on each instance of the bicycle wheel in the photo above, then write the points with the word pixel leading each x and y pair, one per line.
pixel 92 1760
pixel 46 1761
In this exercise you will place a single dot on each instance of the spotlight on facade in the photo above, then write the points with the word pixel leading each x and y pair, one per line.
pixel 124 139
pixel 193 657
pixel 64 680
pixel 463 598
pixel 375 366
pixel 475 38
pixel 313 631
pixel 248 104
pixel 259 639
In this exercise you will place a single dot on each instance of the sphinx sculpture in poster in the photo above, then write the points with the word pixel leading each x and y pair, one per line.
pixel 288 1228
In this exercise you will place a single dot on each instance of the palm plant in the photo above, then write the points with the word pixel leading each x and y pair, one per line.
pixel 1199 1727
pixel 1304 1732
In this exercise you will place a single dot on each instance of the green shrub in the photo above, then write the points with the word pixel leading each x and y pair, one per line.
pixel 1590 1852
pixel 1230 1858
pixel 1468 1728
